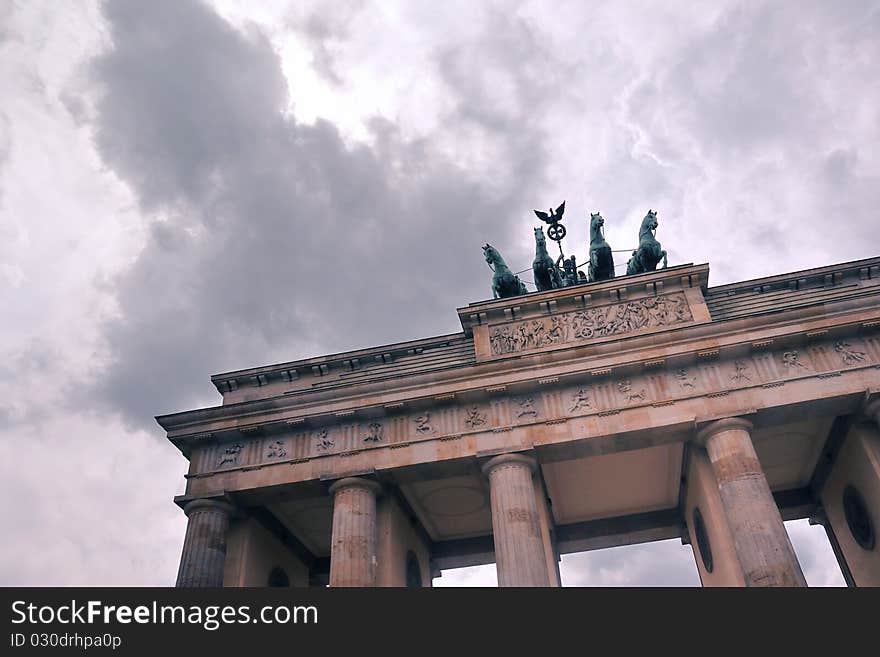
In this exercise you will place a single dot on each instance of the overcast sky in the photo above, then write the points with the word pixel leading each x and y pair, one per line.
pixel 188 188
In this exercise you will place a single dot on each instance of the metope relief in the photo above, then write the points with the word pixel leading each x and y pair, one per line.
pixel 685 379
pixel 792 361
pixel 525 408
pixel 230 455
pixel 741 372
pixel 591 323
pixel 374 433
pixel 322 440
pixel 848 354
pixel 630 393
pixel 580 400
pixel 277 449
pixel 423 423
pixel 475 418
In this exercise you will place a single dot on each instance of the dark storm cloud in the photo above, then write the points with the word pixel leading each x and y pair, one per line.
pixel 270 239
pixel 264 229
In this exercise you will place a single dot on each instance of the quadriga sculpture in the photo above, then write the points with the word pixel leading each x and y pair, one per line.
pixel 649 253
pixel 504 283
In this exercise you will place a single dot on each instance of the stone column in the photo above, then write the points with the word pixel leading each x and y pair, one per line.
pixel 204 548
pixel 762 545
pixel 519 547
pixel 353 547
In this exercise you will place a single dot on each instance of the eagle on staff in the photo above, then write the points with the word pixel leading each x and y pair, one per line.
pixel 556 231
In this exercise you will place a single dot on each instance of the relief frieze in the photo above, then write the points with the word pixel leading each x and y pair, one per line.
pixel 591 323
pixel 553 403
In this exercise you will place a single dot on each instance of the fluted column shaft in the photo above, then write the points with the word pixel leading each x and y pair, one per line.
pixel 353 547
pixel 762 545
pixel 204 548
pixel 519 548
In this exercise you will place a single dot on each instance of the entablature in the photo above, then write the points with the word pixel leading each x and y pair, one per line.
pixel 659 325
pixel 615 364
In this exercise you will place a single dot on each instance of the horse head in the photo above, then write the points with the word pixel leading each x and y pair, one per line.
pixel 540 240
pixel 650 221
pixel 491 253
pixel 596 220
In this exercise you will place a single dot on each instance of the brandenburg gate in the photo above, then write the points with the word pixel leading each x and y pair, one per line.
pixel 639 408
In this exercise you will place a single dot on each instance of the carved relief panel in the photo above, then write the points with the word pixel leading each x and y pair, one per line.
pixel 590 324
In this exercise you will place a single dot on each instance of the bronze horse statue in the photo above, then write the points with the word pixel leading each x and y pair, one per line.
pixel 547 276
pixel 649 253
pixel 504 283
pixel 601 266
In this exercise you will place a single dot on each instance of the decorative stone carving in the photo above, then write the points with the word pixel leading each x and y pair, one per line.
pixel 231 454
pixel 631 395
pixel 580 399
pixel 526 408
pixel 276 450
pixel 684 379
pixel 848 354
pixel 322 441
pixel 792 360
pixel 592 323
pixel 740 371
pixel 374 433
pixel 475 418
pixel 423 423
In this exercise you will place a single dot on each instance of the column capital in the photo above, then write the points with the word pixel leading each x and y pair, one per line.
pixel 355 482
pixel 208 503
pixel 717 426
pixel 510 459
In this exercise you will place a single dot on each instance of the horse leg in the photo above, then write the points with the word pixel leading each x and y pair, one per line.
pixel 663 253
